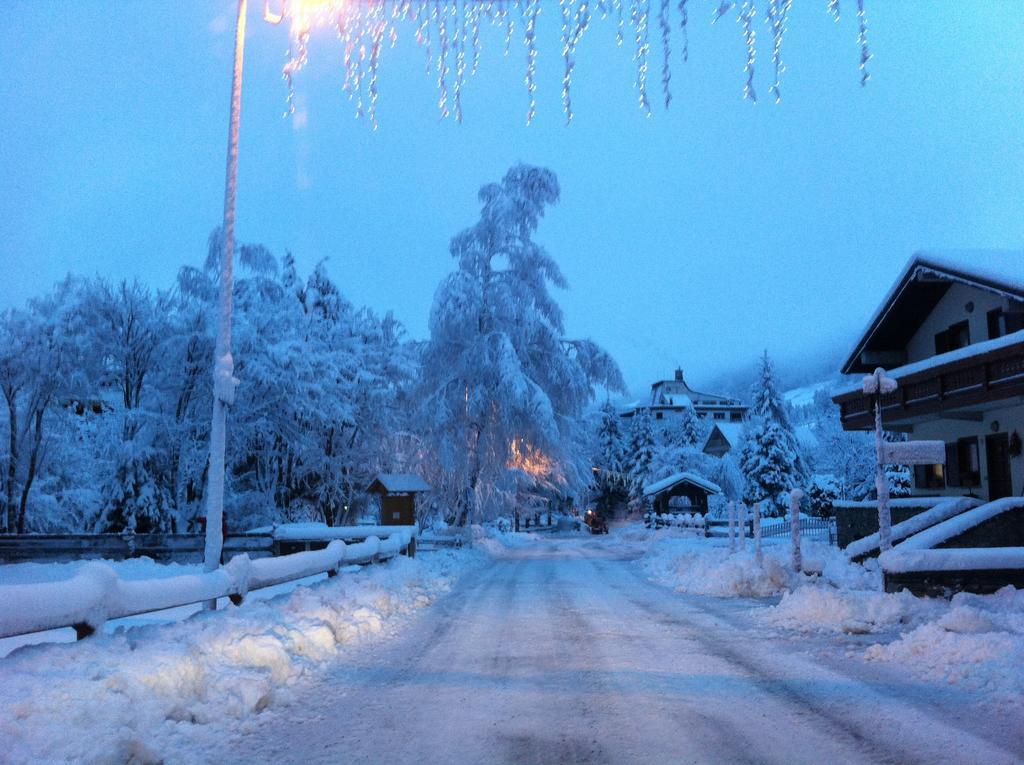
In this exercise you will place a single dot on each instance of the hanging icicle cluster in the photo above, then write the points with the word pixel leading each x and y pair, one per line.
pixel 449 33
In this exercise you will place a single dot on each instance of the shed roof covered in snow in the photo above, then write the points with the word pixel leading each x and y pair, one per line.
pixel 397 483
pixel 672 481
pixel 732 432
pixel 922 283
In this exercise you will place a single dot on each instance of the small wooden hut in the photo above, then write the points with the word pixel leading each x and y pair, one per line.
pixel 397 497
pixel 681 493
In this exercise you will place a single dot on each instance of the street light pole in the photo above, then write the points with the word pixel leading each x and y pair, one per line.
pixel 224 382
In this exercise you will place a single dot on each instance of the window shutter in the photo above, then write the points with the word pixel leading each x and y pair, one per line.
pixel 952 466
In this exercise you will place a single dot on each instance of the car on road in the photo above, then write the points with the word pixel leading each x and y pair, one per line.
pixel 596 522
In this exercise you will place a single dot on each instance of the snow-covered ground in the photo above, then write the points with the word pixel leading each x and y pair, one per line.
pixel 973 642
pixel 164 690
pixel 638 646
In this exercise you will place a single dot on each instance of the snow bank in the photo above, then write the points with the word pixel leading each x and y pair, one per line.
pixel 975 644
pixel 691 565
pixel 162 692
pixel 827 609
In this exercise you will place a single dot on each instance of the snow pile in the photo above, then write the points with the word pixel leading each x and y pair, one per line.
pixel 976 644
pixel 151 691
pixel 690 565
pixel 826 609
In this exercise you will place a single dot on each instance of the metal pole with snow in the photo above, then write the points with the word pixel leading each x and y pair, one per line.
pixel 732 527
pixel 224 381
pixel 794 527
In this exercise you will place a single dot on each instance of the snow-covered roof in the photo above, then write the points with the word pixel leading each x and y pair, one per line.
pixel 397 483
pixel 942 359
pixel 998 271
pixel 732 432
pixel 685 477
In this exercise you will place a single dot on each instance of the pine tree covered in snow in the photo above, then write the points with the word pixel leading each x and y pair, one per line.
pixel 691 430
pixel 640 452
pixel 502 389
pixel 135 500
pixel 771 459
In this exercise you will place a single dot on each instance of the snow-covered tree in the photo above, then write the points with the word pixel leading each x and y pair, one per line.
pixel 502 389
pixel 691 429
pixel 771 459
pixel 641 451
pixel 135 500
pixel 609 460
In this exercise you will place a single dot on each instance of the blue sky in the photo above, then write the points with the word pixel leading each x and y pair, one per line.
pixel 696 237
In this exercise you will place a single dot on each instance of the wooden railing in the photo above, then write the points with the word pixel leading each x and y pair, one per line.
pixel 995 375
pixel 96 594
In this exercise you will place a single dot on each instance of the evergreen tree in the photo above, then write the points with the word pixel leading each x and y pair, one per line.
pixel 771 460
pixel 134 499
pixel 610 448
pixel 639 452
pixel 691 430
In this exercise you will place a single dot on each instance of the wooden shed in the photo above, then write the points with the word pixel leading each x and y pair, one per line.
pixel 397 497
pixel 681 493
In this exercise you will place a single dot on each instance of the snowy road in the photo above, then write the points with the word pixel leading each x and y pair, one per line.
pixel 561 652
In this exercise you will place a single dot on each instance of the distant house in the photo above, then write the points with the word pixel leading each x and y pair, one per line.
pixel 669 398
pixel 951 332
pixel 723 438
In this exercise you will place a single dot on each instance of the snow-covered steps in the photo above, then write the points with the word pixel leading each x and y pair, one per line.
pixel 867 546
pixel 980 550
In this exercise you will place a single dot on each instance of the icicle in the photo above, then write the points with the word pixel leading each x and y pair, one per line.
pixel 640 13
pixel 460 60
pixel 723 8
pixel 474 23
pixel 377 40
pixel 666 70
pixel 442 61
pixel 862 38
pixel 684 17
pixel 746 19
pixel 567 33
pixel 619 36
pixel 778 12
pixel 532 9
pixel 833 8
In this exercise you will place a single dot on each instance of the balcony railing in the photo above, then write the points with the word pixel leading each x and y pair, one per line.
pixel 992 376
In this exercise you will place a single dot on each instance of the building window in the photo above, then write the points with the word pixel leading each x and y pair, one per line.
pixel 1002 322
pixel 735 416
pixel 719 415
pixel 929 477
pixel 957 336
pixel 659 415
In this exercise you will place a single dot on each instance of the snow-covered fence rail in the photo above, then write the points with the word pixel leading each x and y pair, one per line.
pixel 693 521
pixel 96 594
pixel 812 528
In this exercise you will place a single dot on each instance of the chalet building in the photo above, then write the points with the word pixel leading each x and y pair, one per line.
pixel 669 398
pixel 951 333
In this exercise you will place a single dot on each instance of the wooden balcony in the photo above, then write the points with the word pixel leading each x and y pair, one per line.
pixel 959 387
